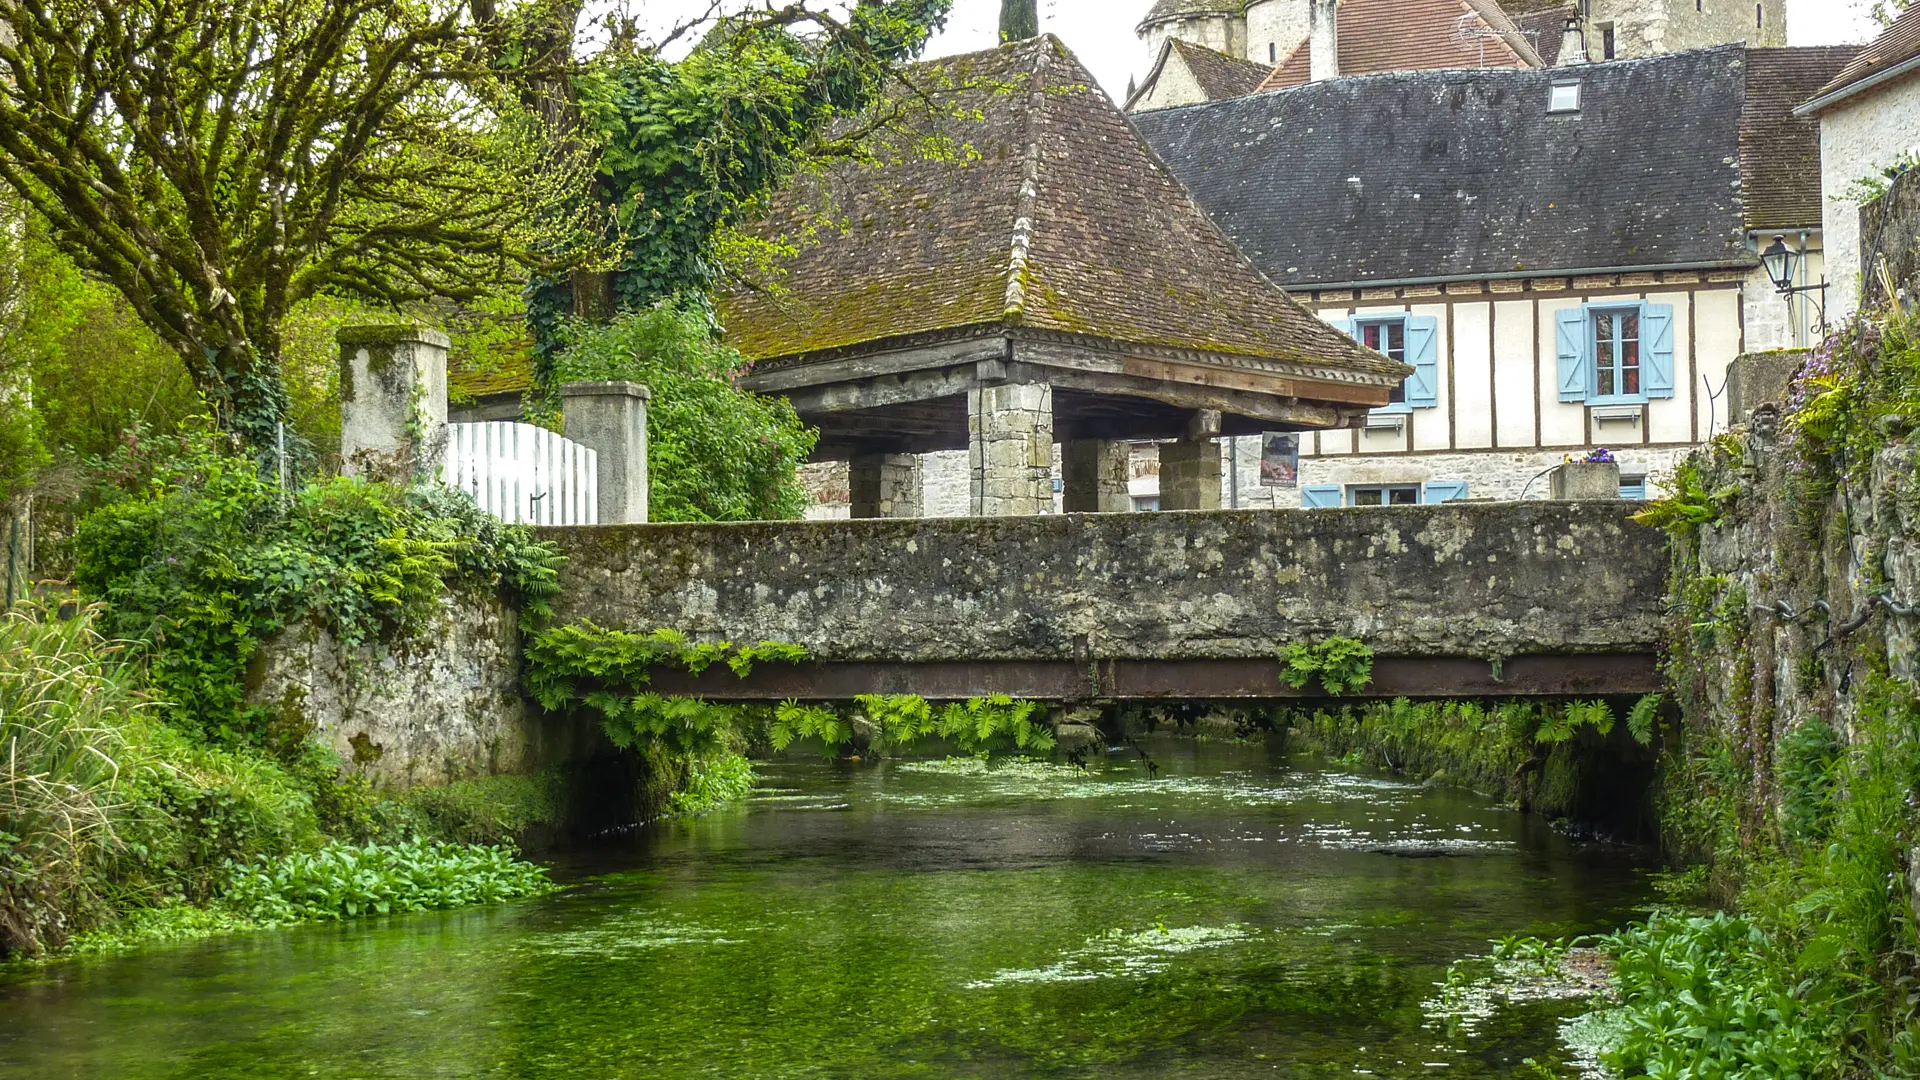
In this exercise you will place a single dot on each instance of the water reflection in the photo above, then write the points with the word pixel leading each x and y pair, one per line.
pixel 1240 916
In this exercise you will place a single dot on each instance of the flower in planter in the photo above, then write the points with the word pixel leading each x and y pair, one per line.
pixel 1602 456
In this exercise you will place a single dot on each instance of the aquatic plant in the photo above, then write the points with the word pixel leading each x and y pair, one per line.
pixel 344 881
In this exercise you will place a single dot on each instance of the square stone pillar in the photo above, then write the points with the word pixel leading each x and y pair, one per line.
pixel 1094 474
pixel 884 486
pixel 1010 449
pixel 610 418
pixel 393 402
pixel 1190 475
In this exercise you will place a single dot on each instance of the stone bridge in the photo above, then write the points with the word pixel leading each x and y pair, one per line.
pixel 1534 598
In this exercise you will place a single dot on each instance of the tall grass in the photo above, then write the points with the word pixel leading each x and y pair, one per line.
pixel 65 700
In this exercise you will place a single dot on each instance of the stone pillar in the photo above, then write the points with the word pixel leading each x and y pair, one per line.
pixel 393 402
pixel 1190 468
pixel 1190 475
pixel 1094 476
pixel 610 418
pixel 884 486
pixel 1583 480
pixel 1010 449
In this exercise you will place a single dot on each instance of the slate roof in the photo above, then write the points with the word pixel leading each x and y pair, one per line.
pixel 1437 174
pixel 1219 75
pixel 1899 44
pixel 1404 35
pixel 1057 217
pixel 1780 152
pixel 1544 25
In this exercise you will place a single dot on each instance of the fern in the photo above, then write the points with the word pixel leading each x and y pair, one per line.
pixel 1341 664
pixel 1645 716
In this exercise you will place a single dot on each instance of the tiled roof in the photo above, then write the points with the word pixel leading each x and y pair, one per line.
pixel 1544 24
pixel 1779 152
pixel 1164 10
pixel 1407 35
pixel 1054 216
pixel 1434 174
pixel 1219 75
pixel 513 376
pixel 1899 44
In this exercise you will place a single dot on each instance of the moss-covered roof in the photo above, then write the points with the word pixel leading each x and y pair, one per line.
pixel 1055 216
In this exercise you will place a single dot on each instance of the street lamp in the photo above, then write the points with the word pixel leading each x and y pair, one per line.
pixel 1782 263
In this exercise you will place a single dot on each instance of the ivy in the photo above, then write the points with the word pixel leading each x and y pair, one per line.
pixel 1341 664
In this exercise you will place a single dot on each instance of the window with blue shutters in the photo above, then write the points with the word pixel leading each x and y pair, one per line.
pixel 1320 496
pixel 1439 491
pixel 1413 340
pixel 1612 354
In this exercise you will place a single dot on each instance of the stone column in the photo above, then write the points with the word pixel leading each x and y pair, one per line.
pixel 1094 476
pixel 885 486
pixel 610 418
pixel 1190 468
pixel 1010 449
pixel 393 402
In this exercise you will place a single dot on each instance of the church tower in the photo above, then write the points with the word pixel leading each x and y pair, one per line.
pixel 1630 29
pixel 1220 25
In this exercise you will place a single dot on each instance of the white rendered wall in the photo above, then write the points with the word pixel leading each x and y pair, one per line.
pixel 1858 138
pixel 1175 86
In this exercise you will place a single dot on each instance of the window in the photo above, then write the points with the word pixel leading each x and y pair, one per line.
pixel 1384 495
pixel 1565 98
pixel 1273 52
pixel 1633 487
pixel 1326 496
pixel 1389 338
pixel 1615 354
pixel 1606 41
pixel 1413 340
pixel 1145 503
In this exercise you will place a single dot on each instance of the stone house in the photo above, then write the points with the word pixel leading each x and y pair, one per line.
pixel 1869 121
pixel 1567 257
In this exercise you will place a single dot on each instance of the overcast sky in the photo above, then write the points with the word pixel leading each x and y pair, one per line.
pixel 1101 31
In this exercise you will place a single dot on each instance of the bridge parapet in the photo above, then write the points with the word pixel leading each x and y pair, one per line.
pixel 1418 584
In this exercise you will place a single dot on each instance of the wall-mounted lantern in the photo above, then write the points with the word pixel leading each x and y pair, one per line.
pixel 1782 263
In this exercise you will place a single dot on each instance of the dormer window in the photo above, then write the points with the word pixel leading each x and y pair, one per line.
pixel 1565 98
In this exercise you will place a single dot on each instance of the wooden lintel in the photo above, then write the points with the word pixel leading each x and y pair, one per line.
pixel 1263 407
pixel 1059 355
pixel 881 391
pixel 896 362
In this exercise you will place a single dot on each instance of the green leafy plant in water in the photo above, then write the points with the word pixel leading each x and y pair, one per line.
pixel 344 881
pixel 1341 664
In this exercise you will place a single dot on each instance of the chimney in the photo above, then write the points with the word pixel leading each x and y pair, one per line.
pixel 1325 39
pixel 1573 46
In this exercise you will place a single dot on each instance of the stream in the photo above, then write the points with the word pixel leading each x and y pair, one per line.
pixel 1245 913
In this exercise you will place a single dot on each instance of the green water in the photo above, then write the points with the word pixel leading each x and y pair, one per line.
pixel 1241 915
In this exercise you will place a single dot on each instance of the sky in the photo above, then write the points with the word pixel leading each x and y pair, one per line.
pixel 1100 32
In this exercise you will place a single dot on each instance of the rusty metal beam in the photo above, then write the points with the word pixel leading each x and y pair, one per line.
pixel 1581 675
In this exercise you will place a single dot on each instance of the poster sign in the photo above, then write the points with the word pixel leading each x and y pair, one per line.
pixel 1280 461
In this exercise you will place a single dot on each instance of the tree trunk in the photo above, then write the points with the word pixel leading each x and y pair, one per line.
pixel 1019 19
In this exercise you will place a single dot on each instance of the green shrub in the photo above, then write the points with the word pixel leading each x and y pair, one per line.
pixel 343 881
pixel 715 452
pixel 490 809
pixel 203 558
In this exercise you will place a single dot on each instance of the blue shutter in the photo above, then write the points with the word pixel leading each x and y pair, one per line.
pixel 1423 352
pixel 1345 326
pixel 1576 363
pixel 1439 491
pixel 1656 356
pixel 1320 498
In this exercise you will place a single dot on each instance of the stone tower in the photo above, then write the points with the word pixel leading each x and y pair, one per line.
pixel 1630 29
pixel 1220 25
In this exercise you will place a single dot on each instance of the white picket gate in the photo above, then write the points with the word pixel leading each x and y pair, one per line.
pixel 524 474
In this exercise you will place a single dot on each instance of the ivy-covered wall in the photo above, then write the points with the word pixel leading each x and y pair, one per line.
pixel 1792 630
